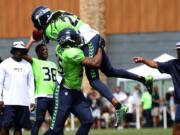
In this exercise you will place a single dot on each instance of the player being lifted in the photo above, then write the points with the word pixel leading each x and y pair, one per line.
pixel 51 23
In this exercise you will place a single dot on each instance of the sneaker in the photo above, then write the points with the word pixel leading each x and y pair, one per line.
pixel 119 114
pixel 149 83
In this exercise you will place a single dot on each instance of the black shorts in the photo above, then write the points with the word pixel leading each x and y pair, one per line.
pixel 1 118
pixel 17 116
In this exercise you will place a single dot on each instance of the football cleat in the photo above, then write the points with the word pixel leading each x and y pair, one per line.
pixel 119 114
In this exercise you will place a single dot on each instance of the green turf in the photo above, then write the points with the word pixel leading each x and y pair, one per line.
pixel 152 131
pixel 128 132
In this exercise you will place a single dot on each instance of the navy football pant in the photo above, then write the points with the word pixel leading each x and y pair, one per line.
pixel 67 101
pixel 90 50
pixel 43 104
pixel 177 114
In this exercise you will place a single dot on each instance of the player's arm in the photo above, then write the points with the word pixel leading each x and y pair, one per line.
pixel 30 42
pixel 31 88
pixel 28 46
pixel 147 62
pixel 95 61
pixel 76 55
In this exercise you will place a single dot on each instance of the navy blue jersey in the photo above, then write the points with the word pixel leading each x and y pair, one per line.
pixel 172 67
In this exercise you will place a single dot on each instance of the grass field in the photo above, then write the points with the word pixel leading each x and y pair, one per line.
pixel 152 131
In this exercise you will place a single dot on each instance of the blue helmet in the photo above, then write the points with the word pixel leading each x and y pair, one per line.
pixel 41 16
pixel 68 37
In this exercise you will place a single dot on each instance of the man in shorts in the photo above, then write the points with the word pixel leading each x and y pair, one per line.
pixel 17 90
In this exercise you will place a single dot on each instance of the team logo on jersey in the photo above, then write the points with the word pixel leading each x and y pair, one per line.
pixel 18 69
pixel 66 93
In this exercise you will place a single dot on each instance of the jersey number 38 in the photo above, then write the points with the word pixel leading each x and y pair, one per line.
pixel 50 74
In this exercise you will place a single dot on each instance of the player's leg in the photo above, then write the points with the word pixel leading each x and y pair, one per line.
pixel 81 109
pixel 93 76
pixel 107 68
pixel 110 71
pixel 50 106
pixel 42 106
pixel 61 111
pixel 176 126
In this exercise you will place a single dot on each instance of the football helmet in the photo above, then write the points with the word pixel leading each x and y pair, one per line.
pixel 68 37
pixel 41 16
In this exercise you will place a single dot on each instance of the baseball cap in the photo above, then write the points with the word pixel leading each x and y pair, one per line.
pixel 19 45
pixel 178 45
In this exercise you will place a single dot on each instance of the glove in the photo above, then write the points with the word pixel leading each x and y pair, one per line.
pixel 102 43
pixel 37 35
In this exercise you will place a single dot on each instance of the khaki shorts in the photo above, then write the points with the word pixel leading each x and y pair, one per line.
pixel 155 111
